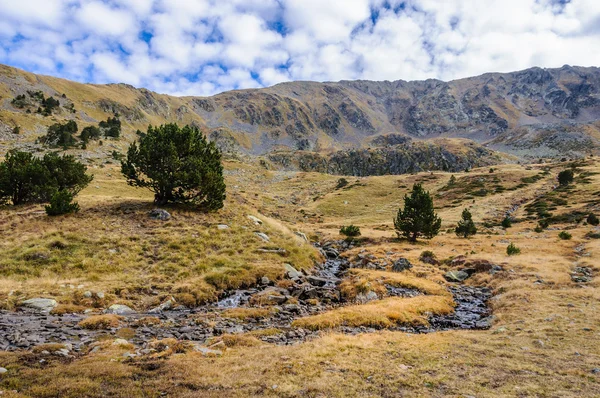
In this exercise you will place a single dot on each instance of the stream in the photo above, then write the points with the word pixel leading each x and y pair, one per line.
pixel 24 330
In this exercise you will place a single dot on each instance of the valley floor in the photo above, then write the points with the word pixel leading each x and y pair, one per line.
pixel 543 339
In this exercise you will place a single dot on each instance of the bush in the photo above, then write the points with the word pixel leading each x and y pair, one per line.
pixel 507 222
pixel 538 229
pixel 565 177
pixel 89 133
pixel 350 231
pixel 564 235
pixel 61 203
pixel 418 217
pixel 512 250
pixel 60 135
pixel 179 165
pixel 27 179
pixel 341 183
pixel 111 127
pixel 466 227
pixel 592 219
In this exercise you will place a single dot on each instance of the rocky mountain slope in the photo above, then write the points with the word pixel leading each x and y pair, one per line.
pixel 531 114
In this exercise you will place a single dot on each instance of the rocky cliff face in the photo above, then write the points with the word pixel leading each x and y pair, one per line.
pixel 532 113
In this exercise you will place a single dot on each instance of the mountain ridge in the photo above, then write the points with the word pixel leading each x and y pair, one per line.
pixel 530 114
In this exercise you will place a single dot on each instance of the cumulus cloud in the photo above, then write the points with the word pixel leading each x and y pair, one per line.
pixel 203 47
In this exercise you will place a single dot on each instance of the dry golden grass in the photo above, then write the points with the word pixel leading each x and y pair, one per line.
pixel 100 322
pixel 542 344
pixel 380 314
pixel 62 309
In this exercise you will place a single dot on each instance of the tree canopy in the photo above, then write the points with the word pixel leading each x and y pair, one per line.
pixel 179 165
pixel 418 217
pixel 466 227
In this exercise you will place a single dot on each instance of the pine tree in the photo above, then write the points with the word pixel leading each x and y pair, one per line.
pixel 418 217
pixel 466 227
pixel 179 165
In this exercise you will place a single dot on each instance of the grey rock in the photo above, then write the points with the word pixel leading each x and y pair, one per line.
pixel 456 276
pixel 207 351
pixel 160 214
pixel 222 226
pixel 3 370
pixel 317 281
pixel 292 273
pixel 401 264
pixel 167 305
pixel 39 304
pixel 87 294
pixel 100 295
pixel 119 309
pixel 302 235
pixel 263 236
pixel 256 220
pixel 364 298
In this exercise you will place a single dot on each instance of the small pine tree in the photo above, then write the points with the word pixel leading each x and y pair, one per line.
pixel 564 235
pixel 512 250
pixel 466 227
pixel 418 217
pixel 61 203
pixel 565 177
pixel 452 180
pixel 507 222
pixel 350 231
pixel 592 219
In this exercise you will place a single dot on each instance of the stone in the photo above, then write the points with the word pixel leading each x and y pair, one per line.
pixel 316 281
pixel 207 351
pixel 167 305
pixel 256 220
pixel 456 276
pixel 264 280
pixel 222 226
pixel 100 295
pixel 3 370
pixel 401 264
pixel 331 253
pixel 291 272
pixel 302 235
pixel 119 309
pixel 160 214
pixel 39 304
pixel 363 298
pixel 263 236
pixel 87 294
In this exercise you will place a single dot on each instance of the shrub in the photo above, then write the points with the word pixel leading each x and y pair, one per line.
pixel 418 217
pixel 111 127
pixel 27 179
pixel 512 250
pixel 89 133
pixel 60 135
pixel 179 165
pixel 507 222
pixel 564 235
pixel 592 219
pixel 565 177
pixel 350 231
pixel 538 229
pixel 466 227
pixel 341 183
pixel 61 203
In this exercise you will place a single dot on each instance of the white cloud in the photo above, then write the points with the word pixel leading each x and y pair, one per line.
pixel 206 46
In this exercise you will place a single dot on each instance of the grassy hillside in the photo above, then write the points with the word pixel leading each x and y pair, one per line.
pixel 542 341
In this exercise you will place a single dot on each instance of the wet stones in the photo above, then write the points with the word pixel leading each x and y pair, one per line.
pixel 582 275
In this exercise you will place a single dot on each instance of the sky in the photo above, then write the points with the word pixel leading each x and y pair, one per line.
pixel 202 47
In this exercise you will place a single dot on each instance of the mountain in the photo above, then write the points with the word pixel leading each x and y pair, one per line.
pixel 529 114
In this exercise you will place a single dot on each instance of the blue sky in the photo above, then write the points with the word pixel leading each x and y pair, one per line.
pixel 201 47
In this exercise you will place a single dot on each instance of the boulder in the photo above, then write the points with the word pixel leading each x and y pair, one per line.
pixel 456 276
pixel 401 264
pixel 291 272
pixel 3 370
pixel 167 305
pixel 263 236
pixel 39 304
pixel 317 281
pixel 256 220
pixel 119 309
pixel 363 298
pixel 160 214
